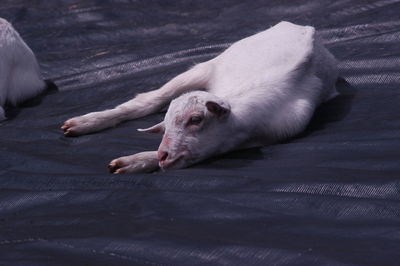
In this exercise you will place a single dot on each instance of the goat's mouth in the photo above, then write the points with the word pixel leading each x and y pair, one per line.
pixel 172 163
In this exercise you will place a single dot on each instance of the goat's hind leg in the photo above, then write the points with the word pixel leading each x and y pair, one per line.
pixel 142 105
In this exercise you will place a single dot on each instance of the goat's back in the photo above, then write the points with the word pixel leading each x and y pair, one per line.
pixel 261 60
pixel 276 78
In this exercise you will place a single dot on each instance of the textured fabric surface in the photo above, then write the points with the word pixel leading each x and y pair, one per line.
pixel 327 197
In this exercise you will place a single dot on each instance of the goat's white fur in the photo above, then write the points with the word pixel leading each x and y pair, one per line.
pixel 270 83
pixel 20 76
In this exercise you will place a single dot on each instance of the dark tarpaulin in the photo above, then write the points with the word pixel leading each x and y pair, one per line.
pixel 328 197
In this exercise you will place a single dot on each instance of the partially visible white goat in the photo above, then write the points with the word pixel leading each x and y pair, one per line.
pixel 260 90
pixel 20 76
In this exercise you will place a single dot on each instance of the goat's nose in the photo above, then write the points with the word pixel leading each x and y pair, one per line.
pixel 162 156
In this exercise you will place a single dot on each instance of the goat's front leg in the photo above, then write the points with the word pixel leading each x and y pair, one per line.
pixel 142 162
pixel 92 122
pixel 142 105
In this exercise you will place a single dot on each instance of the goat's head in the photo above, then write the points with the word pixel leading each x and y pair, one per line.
pixel 194 128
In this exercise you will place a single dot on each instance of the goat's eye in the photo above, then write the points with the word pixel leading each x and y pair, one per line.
pixel 195 120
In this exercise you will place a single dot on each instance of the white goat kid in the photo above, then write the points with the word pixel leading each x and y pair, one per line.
pixel 20 76
pixel 262 89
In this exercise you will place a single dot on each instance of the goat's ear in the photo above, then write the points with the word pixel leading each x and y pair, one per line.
pixel 217 109
pixel 158 129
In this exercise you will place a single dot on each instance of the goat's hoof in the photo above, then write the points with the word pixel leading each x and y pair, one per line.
pixel 116 167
